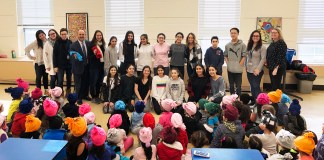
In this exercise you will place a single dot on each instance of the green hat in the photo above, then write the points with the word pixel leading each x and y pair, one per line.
pixel 202 102
pixel 212 108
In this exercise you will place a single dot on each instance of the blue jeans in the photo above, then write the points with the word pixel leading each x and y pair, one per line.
pixel 60 77
pixel 94 75
pixel 255 83
pixel 235 79
pixel 53 81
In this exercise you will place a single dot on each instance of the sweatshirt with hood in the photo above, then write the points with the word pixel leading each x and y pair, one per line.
pixel 235 52
pixel 18 125
pixel 169 151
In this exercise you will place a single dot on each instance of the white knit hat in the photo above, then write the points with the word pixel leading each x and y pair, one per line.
pixel 285 139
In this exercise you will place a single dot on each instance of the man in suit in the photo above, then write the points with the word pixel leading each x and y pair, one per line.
pixel 80 69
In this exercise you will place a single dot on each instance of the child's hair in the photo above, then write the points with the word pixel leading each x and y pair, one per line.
pixel 111 38
pixel 129 65
pixel 245 113
pixel 98 150
pixel 213 37
pixel 195 73
pixel 245 98
pixel 55 122
pixel 169 135
pixel 177 70
pixel 228 142
pixel 198 139
pixel 116 80
pixel 238 105
pixel 147 150
pixel 160 67
pixel 255 143
pixel 160 34
pixel 269 108
pixel 238 31
pixel 149 76
pixel 147 40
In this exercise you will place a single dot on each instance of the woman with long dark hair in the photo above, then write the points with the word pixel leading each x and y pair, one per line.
pixel 217 85
pixel 127 52
pixel 37 46
pixel 256 57
pixel 145 54
pixel 48 56
pixel 193 53
pixel 127 84
pixel 276 58
pixel 198 84
pixel 96 65
pixel 110 89
pixel 143 87
pixel 111 54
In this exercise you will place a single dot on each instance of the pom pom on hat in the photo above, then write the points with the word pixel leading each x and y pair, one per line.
pixel 229 99
pixel 36 93
pixel 120 105
pixel 294 107
pixel 201 103
pixel 263 99
pixel 22 84
pixel 50 107
pixel 275 96
pixel 145 135
pixel 285 98
pixel 139 106
pixel 149 120
pixel 77 126
pixel 84 108
pixel 231 112
pixel 25 106
pixel 55 92
pixel 177 122
pixel 72 98
pixel 190 108
pixel 305 143
pixel 16 92
pixel 212 108
pixel 285 139
pixel 115 121
pixel 32 123
pixel 168 104
pixel 98 136
pixel 90 117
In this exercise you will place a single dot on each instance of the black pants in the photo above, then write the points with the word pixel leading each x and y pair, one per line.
pixel 156 106
pixel 276 80
pixel 94 75
pixel 81 82
pixel 190 69
pixel 60 77
pixel 255 83
pixel 53 81
pixel 235 79
pixel 180 68
pixel 41 73
pixel 101 76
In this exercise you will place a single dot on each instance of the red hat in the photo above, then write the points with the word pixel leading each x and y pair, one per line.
pixel 231 112
pixel 149 120
pixel 36 93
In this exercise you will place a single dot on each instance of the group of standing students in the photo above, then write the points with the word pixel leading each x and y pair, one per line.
pixel 91 61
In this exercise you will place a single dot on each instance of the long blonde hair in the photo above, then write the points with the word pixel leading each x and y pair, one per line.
pixel 280 34
pixel 194 37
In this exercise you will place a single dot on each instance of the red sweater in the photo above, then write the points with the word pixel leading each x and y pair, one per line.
pixel 18 125
pixel 167 153
pixel 183 139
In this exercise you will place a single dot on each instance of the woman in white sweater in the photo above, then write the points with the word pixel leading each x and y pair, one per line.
pixel 37 47
pixel 145 54
pixel 48 56
pixel 158 90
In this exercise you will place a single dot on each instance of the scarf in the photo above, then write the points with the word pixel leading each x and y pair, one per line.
pixel 52 42
pixel 230 125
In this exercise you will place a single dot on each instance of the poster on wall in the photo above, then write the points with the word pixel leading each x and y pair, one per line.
pixel 75 22
pixel 266 24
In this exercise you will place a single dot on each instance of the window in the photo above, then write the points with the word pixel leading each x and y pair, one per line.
pixel 122 16
pixel 216 18
pixel 32 15
pixel 310 39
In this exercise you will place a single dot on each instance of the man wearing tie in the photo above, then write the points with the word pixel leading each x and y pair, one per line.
pixel 80 69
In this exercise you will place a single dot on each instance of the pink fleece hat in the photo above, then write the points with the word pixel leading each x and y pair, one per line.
pixel 50 107
pixel 145 135
pixel 55 92
pixel 98 136
pixel 263 99
pixel 229 99
pixel 22 84
pixel 177 122
pixel 84 108
pixel 115 121
pixel 168 104
pixel 190 108
pixel 90 117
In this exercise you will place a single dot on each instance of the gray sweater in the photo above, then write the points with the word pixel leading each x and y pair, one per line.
pixel 256 59
pixel 176 90
pixel 235 52
pixel 177 54
pixel 217 88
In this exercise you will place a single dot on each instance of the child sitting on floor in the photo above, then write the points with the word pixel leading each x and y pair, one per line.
pixel 179 126
pixel 70 109
pixel 293 121
pixel 18 125
pixel 32 125
pixel 137 117
pixel 146 150
pixel 169 148
pixel 120 107
pixel 305 145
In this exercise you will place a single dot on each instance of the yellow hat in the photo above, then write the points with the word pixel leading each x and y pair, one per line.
pixel 77 126
pixel 32 123
pixel 275 96
pixel 305 143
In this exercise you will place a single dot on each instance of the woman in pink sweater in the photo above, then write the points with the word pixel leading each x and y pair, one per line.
pixel 160 54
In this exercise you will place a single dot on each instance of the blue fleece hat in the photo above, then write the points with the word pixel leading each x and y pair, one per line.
pixel 72 98
pixel 139 106
pixel 120 105
pixel 25 106
pixel 294 107
pixel 16 92
pixel 285 98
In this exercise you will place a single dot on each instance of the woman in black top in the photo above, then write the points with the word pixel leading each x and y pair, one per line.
pixel 127 52
pixel 276 59
pixel 198 85
pixel 127 84
pixel 110 89
pixel 143 86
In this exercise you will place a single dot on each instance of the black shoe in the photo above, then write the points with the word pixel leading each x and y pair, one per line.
pixel 87 98
pixel 79 102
